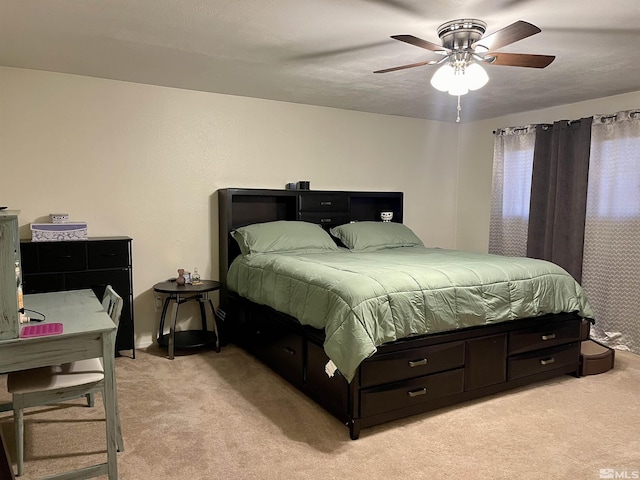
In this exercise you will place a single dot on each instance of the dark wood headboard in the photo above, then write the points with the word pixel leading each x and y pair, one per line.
pixel 238 207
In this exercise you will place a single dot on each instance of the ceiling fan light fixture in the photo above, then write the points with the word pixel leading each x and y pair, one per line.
pixel 458 80
pixel 459 84
pixel 476 76
pixel 443 77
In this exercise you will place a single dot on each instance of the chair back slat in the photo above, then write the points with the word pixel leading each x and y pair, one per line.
pixel 112 303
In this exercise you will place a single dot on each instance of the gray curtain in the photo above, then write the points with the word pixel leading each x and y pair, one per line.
pixel 612 230
pixel 559 194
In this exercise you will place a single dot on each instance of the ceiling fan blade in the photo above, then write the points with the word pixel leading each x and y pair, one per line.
pixel 418 42
pixel 520 59
pixel 507 35
pixel 402 67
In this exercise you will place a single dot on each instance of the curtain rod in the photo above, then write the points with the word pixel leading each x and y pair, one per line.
pixel 632 114
pixel 518 129
pixel 629 113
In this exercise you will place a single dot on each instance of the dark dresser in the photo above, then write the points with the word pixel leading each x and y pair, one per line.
pixel 93 263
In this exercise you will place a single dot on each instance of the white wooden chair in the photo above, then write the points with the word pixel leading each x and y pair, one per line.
pixel 59 383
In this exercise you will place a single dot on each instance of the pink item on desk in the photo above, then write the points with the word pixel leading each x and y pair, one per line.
pixel 41 330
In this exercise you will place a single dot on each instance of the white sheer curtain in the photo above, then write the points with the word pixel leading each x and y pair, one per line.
pixel 611 265
pixel 511 190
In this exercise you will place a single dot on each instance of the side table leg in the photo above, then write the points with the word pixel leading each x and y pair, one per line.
pixel 215 324
pixel 172 330
pixel 163 316
pixel 203 314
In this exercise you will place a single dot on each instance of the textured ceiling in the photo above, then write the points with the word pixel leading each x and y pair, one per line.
pixel 323 52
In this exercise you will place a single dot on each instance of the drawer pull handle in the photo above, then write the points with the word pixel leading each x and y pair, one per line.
pixel 547 361
pixel 325 220
pixel 289 350
pixel 65 256
pixel 417 393
pixel 417 363
pixel 551 336
pixel 108 254
pixel 325 204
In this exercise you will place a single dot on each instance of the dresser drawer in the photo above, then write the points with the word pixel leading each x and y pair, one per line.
pixel 398 395
pixel 108 254
pixel 325 218
pixel 543 337
pixel 98 281
pixel 62 256
pixel 393 367
pixel 543 360
pixel 41 283
pixel 29 257
pixel 324 203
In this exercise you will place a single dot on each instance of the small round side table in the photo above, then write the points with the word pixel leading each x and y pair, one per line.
pixel 180 294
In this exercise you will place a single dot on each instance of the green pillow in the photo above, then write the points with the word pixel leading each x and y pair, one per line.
pixel 368 236
pixel 283 236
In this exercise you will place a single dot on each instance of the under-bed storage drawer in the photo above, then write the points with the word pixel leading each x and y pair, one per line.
pixel 278 347
pixel 332 393
pixel 543 360
pixel 398 395
pixel 534 338
pixel 393 367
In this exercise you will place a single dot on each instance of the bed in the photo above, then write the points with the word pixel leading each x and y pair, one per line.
pixel 372 325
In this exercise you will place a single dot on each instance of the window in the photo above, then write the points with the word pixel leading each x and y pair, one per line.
pixel 615 184
pixel 516 191
pixel 512 169
pixel 611 258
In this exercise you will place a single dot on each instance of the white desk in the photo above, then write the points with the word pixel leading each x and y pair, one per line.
pixel 88 332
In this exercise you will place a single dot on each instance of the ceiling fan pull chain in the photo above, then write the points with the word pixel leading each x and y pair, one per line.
pixel 459 109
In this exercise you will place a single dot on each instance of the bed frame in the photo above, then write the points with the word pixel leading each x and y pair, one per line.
pixel 403 378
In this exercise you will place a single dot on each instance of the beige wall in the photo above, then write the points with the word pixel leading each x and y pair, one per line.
pixel 475 159
pixel 145 161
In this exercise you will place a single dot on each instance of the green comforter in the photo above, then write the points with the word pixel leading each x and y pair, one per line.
pixel 363 300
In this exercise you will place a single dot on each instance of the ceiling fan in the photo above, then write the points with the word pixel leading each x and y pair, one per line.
pixel 463 41
pixel 465 48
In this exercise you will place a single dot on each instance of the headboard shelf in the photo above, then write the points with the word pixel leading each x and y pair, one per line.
pixel 238 207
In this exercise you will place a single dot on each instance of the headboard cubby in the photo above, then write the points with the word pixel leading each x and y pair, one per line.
pixel 238 207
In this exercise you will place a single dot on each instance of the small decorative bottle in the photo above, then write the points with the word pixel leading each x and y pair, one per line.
pixel 195 276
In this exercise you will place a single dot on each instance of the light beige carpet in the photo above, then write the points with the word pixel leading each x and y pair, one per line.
pixel 210 415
